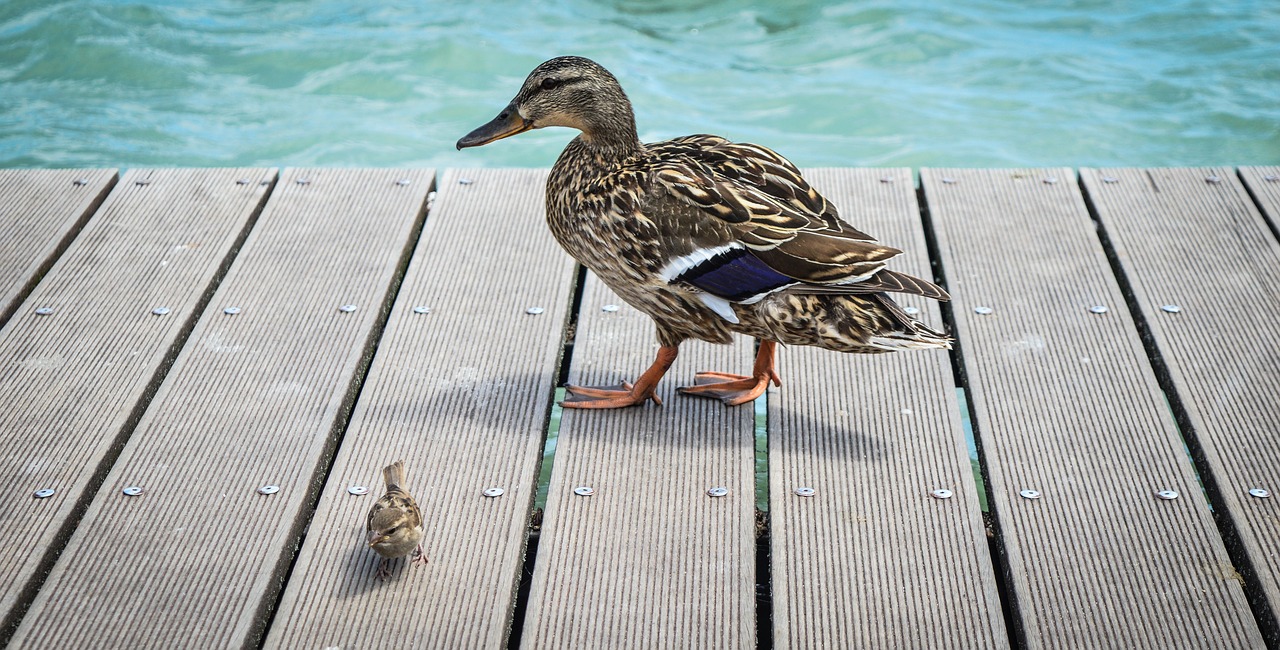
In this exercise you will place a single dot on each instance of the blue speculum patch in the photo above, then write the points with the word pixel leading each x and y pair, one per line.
pixel 735 275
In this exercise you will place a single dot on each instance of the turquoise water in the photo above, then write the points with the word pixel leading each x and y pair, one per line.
pixel 902 82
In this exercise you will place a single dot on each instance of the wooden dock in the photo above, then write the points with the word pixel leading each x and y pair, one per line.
pixel 197 366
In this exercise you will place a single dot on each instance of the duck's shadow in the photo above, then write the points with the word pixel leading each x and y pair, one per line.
pixel 681 420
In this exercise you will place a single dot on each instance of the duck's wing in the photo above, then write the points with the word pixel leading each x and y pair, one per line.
pixel 745 223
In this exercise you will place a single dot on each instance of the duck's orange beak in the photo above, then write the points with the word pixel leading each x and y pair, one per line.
pixel 506 124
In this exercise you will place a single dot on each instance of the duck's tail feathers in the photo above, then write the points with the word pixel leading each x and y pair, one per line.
pixel 924 338
pixel 914 335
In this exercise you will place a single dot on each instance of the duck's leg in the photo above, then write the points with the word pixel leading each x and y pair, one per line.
pixel 612 397
pixel 738 389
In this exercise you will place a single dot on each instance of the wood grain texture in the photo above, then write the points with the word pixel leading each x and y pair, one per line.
pixel 1263 184
pixel 872 560
pixel 650 560
pixel 41 210
pixel 1066 403
pixel 255 398
pixel 72 379
pixel 1185 240
pixel 462 394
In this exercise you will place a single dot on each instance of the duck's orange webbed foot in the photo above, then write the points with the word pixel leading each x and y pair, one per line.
pixel 737 389
pixel 612 397
pixel 606 397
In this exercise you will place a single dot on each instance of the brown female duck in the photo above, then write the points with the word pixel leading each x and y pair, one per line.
pixel 706 236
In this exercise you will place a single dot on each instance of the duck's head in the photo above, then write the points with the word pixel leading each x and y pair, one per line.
pixel 567 91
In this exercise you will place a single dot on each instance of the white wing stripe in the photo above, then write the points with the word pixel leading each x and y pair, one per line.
pixel 679 265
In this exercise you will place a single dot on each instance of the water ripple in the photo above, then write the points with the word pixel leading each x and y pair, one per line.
pixel 321 82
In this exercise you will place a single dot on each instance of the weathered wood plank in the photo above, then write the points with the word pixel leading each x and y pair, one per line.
pixel 462 394
pixel 1193 238
pixel 871 559
pixel 650 560
pixel 255 398
pixel 40 211
pixel 1066 404
pixel 72 378
pixel 1264 185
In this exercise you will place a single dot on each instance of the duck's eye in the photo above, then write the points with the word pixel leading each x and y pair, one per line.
pixel 550 83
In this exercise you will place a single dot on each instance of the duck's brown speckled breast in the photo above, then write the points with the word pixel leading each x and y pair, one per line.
pixel 604 229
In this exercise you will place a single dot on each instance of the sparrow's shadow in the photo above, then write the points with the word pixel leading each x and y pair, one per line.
pixel 361 569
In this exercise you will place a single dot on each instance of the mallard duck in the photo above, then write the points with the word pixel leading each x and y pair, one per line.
pixel 706 236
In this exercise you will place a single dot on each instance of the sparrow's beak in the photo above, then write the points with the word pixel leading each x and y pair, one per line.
pixel 506 124
pixel 374 540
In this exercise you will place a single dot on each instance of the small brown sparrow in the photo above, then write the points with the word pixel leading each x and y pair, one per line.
pixel 395 522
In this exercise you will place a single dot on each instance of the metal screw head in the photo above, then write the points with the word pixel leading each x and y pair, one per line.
pixel 43 494
pixel 805 491
pixel 886 179
pixel 983 311
pixel 1271 178
pixel 717 491
pixel 1051 180
pixel 534 310
pixel 610 308
pixel 1030 494
pixel 358 490
pixel 160 311
pixel 303 181
pixel 948 180
pixel 422 309
pixel 402 182
pixel 1261 493
pixel 132 491
pixel 44 311
pixel 1098 309
pixel 911 311
pixel 493 492
pixel 231 311
pixel 269 489
pixel 584 491
pixel 143 181
pixel 347 309
pixel 1172 309
pixel 1167 495
pixel 1110 179
pixel 941 494
pixel 80 181
pixel 242 181
pixel 1212 179
pixel 465 181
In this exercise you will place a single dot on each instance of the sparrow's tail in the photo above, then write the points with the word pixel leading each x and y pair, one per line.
pixel 393 474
